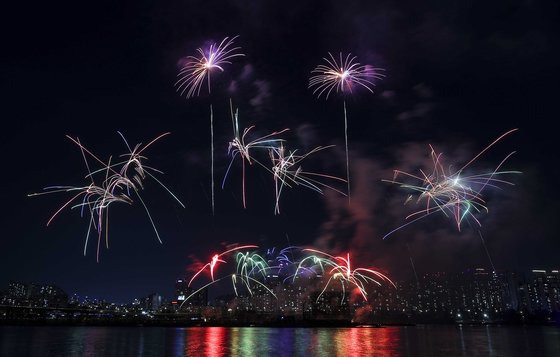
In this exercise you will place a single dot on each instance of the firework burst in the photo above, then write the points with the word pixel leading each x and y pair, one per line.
pixel 198 68
pixel 119 181
pixel 343 75
pixel 453 193
pixel 339 268
pixel 249 266
pixel 279 261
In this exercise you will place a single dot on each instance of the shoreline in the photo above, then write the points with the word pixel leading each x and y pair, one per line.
pixel 303 324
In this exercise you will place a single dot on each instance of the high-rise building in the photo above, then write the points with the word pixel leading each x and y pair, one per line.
pixel 24 294
pixel 151 302
pixel 181 290
pixel 540 292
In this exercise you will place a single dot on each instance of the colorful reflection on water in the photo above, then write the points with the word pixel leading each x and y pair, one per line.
pixel 260 341
pixel 245 341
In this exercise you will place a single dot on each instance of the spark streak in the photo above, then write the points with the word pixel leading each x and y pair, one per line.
pixel 119 181
pixel 192 75
pixel 452 193
pixel 343 75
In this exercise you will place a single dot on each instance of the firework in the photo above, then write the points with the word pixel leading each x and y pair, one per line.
pixel 452 193
pixel 198 68
pixel 278 260
pixel 242 148
pixel 343 75
pixel 192 75
pixel 133 171
pixel 119 181
pixel 254 270
pixel 340 269
pixel 217 258
pixel 312 265
pixel 287 171
pixel 249 265
pixel 487 252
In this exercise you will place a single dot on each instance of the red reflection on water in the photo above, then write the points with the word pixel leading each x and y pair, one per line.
pixel 349 342
pixel 367 341
pixel 193 340
pixel 215 341
pixel 385 341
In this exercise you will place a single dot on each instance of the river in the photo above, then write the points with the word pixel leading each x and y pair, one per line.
pixel 428 340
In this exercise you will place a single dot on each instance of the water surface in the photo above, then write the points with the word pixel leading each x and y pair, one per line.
pixel 260 341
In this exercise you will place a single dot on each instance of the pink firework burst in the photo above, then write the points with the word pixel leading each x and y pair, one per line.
pixel 198 68
pixel 343 75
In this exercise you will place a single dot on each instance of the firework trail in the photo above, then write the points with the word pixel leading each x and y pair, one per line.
pixel 119 181
pixel 413 267
pixel 312 265
pixel 217 258
pixel 343 75
pixel 97 199
pixel 212 185
pixel 249 265
pixel 202 288
pixel 133 172
pixel 242 148
pixel 198 68
pixel 487 253
pixel 451 192
pixel 278 261
pixel 254 270
pixel 341 269
pixel 287 171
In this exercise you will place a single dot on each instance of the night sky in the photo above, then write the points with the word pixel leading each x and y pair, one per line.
pixel 459 74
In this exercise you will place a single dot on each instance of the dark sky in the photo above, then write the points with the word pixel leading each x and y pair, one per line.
pixel 458 75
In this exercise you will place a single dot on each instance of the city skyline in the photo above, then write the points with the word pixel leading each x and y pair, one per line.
pixel 472 296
